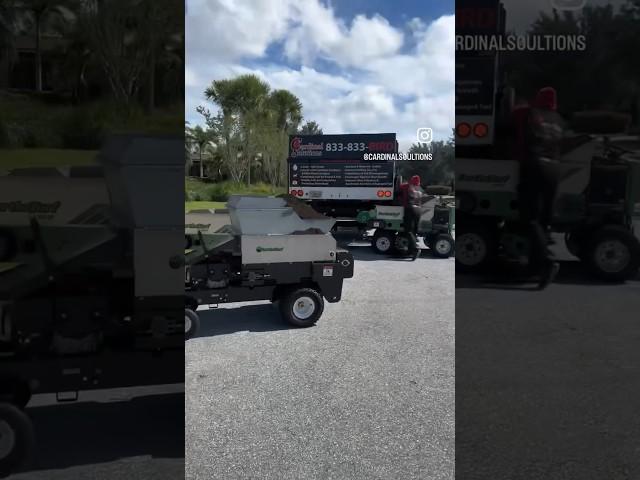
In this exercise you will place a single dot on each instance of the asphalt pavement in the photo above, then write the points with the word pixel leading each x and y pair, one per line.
pixel 368 393
pixel 121 433
pixel 547 382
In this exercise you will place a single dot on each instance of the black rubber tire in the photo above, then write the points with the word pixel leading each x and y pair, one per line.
pixel 440 238
pixel 195 323
pixel 288 301
pixel 389 235
pixel 23 442
pixel 482 233
pixel 626 239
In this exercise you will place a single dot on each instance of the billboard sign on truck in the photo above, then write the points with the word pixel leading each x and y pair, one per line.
pixel 333 167
pixel 476 70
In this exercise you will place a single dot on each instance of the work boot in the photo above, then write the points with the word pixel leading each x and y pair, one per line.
pixel 548 275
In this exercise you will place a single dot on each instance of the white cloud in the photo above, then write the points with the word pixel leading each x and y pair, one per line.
pixel 231 29
pixel 319 33
pixel 383 84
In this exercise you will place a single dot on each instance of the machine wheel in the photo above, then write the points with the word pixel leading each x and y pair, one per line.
pixel 16 438
pixel 302 307
pixel 442 246
pixel 383 241
pixel 613 254
pixel 475 247
pixel 191 323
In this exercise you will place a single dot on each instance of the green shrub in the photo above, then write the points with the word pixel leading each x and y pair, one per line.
pixel 37 136
pixel 193 197
pixel 200 190
pixel 7 136
pixel 221 192
pixel 218 192
pixel 84 128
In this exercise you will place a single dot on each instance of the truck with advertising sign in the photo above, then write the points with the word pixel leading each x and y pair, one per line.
pixel 335 175
pixel 476 71
pixel 330 171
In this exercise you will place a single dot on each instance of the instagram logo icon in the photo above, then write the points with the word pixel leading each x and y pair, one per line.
pixel 424 135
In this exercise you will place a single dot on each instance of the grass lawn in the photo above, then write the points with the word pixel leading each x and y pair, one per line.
pixel 188 206
pixel 50 122
pixel 203 195
pixel 44 157
pixel 220 191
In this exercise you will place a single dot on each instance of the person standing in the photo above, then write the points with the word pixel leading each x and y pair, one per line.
pixel 415 195
pixel 539 138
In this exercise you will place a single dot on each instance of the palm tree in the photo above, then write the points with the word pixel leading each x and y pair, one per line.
pixel 240 95
pixel 243 98
pixel 201 138
pixel 310 128
pixel 287 109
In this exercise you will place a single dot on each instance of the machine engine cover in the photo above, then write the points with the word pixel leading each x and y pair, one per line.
pixel 441 215
pixel 608 184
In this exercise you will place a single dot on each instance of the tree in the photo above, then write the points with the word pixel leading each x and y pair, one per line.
pixel 287 109
pixel 8 25
pixel 440 170
pixel 162 33
pixel 310 128
pixel 252 126
pixel 242 100
pixel 238 96
pixel 201 138
pixel 119 44
pixel 602 76
pixel 41 11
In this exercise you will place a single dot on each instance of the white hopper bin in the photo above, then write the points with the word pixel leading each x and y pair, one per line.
pixel 253 215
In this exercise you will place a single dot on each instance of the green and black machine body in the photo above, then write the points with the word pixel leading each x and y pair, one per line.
pixel 91 272
pixel 435 226
pixel 596 207
pixel 275 249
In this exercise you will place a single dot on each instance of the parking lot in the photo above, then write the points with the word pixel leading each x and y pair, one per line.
pixel 366 393
pixel 547 377
pixel 113 433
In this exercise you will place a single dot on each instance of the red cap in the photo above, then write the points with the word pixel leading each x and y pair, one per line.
pixel 415 180
pixel 547 98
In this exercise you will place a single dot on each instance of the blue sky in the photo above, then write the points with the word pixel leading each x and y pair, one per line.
pixel 356 65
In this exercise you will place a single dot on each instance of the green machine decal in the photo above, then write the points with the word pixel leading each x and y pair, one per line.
pixel 389 214
pixel 29 207
pixel 269 249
